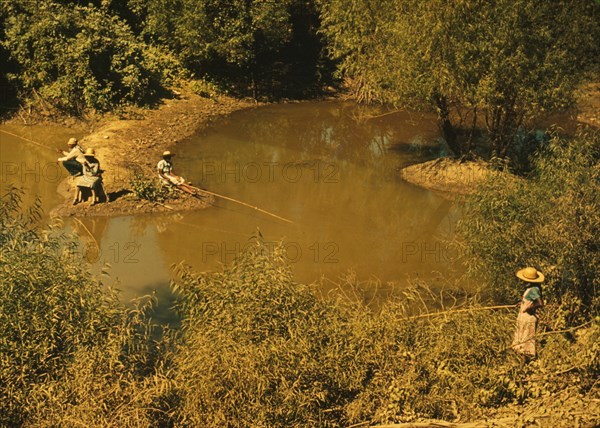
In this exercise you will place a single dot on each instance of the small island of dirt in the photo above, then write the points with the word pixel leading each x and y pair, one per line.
pixel 449 177
pixel 126 147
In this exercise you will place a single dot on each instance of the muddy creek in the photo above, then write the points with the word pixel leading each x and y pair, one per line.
pixel 331 168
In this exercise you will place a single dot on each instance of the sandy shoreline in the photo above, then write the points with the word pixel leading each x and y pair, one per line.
pixel 448 177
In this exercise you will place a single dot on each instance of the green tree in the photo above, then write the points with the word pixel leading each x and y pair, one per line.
pixel 255 43
pixel 476 63
pixel 80 58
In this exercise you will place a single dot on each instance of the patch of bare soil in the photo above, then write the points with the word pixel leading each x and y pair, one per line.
pixel 124 202
pixel 127 146
pixel 449 177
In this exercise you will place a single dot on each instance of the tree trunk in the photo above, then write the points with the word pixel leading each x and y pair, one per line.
pixel 446 127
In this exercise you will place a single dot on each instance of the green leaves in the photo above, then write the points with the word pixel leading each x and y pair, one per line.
pixel 549 221
pixel 80 58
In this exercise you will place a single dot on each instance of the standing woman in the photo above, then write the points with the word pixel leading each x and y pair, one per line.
pixel 524 342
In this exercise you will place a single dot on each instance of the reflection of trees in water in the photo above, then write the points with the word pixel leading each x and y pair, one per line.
pixel 340 130
pixel 366 211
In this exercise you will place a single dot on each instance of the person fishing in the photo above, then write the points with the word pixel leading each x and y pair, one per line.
pixel 91 178
pixel 73 159
pixel 167 176
pixel 524 340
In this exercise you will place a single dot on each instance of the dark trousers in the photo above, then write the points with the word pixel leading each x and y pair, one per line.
pixel 73 167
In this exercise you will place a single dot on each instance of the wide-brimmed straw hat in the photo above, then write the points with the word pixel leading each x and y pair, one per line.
pixel 72 141
pixel 167 153
pixel 89 153
pixel 530 274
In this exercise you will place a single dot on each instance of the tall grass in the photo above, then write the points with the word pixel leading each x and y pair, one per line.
pixel 69 350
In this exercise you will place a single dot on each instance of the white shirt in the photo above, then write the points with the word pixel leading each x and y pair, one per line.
pixel 75 153
pixel 165 167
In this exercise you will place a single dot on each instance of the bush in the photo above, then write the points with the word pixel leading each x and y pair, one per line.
pixel 549 221
pixel 68 349
pixel 257 349
pixel 80 58
pixel 150 189
pixel 271 352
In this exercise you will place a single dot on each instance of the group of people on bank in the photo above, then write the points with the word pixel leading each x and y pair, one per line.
pixel 85 167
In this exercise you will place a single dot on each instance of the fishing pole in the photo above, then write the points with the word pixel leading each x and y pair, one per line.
pixel 243 203
pixel 454 311
pixel 27 139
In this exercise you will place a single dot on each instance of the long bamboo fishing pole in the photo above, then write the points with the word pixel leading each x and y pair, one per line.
pixel 243 203
pixel 27 139
pixel 454 311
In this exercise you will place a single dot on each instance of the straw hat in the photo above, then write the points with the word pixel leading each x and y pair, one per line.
pixel 72 141
pixel 89 153
pixel 530 274
pixel 167 153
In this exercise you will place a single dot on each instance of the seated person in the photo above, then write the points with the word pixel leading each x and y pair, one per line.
pixel 91 178
pixel 73 159
pixel 167 176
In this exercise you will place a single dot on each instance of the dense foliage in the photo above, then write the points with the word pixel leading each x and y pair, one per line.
pixel 81 57
pixel 101 55
pixel 66 343
pixel 268 47
pixel 258 349
pixel 477 63
pixel 551 221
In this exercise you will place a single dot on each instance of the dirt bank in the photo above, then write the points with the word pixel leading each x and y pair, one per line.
pixel 128 145
pixel 450 178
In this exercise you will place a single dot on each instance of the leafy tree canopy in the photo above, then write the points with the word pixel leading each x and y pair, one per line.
pixel 79 57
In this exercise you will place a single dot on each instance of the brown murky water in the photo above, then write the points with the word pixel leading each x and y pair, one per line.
pixel 323 165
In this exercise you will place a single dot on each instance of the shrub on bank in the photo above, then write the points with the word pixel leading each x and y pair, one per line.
pixel 549 221
pixel 76 58
pixel 69 351
pixel 258 349
pixel 150 189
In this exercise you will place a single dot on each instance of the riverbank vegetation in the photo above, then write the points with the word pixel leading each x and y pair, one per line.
pixel 255 348
pixel 480 65
pixel 550 220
